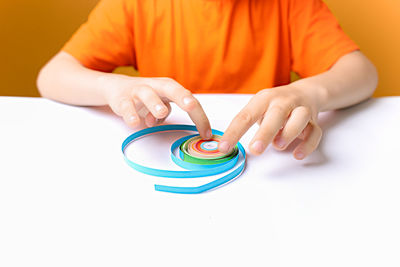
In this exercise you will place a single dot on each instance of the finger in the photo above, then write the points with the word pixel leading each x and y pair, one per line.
pixel 126 109
pixel 198 116
pixel 186 101
pixel 273 121
pixel 294 126
pixel 150 120
pixel 152 101
pixel 242 122
pixel 169 112
pixel 145 114
pixel 306 132
pixel 312 137
pixel 143 111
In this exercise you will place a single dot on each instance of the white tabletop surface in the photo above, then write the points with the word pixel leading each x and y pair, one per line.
pixel 67 198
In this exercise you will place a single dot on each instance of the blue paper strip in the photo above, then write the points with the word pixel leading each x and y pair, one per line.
pixel 193 170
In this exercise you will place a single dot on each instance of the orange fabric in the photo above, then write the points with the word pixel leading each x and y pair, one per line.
pixel 212 46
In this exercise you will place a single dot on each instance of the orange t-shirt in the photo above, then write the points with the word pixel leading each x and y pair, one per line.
pixel 212 46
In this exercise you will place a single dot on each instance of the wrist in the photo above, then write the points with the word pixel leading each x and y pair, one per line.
pixel 318 93
pixel 111 85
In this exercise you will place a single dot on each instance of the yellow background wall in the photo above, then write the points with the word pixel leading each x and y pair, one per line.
pixel 32 31
pixel 375 26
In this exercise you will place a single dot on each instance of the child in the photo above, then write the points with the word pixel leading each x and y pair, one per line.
pixel 182 47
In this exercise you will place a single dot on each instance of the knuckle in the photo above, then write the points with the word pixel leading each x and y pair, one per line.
pixel 302 113
pixel 265 94
pixel 169 85
pixel 262 92
pixel 305 110
pixel 147 94
pixel 194 104
pixel 163 82
pixel 185 91
pixel 174 90
pixel 123 105
pixel 179 91
pixel 195 101
pixel 287 100
pixel 143 88
pixel 114 104
pixel 292 99
pixel 141 91
pixel 280 110
pixel 244 117
pixel 182 90
pixel 167 80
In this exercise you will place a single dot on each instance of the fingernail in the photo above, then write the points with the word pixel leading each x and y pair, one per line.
pixel 258 146
pixel 132 118
pixel 280 142
pixel 300 155
pixel 159 108
pixel 224 147
pixel 187 100
pixel 209 134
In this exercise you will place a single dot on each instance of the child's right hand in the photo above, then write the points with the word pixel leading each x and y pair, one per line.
pixel 136 99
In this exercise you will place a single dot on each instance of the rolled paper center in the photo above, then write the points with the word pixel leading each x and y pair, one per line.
pixel 209 145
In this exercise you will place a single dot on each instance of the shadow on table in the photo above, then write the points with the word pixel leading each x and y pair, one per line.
pixel 105 111
pixel 332 119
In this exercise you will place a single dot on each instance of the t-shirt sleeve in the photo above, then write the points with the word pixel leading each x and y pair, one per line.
pixel 317 40
pixel 105 41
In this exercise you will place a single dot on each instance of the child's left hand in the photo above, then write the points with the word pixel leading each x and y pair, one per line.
pixel 284 113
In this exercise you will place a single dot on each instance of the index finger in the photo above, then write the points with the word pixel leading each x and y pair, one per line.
pixel 242 122
pixel 186 101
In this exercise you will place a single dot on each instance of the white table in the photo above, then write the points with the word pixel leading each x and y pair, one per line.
pixel 67 198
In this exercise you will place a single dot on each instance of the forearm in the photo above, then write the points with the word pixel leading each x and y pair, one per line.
pixel 352 79
pixel 64 79
pixel 135 99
